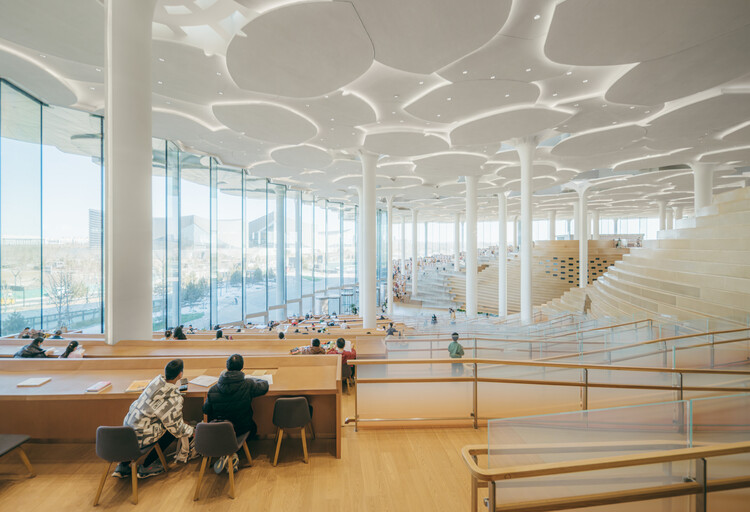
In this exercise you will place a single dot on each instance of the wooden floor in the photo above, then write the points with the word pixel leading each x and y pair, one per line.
pixel 383 470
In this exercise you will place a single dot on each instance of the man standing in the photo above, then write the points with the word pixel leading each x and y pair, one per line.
pixel 156 416
pixel 456 351
pixel 230 399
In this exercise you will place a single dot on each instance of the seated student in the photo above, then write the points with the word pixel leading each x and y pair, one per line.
pixel 281 335
pixel 156 416
pixel 314 348
pixel 179 334
pixel 72 351
pixel 391 330
pixel 168 334
pixel 220 335
pixel 346 354
pixel 57 336
pixel 344 325
pixel 33 349
pixel 217 327
pixel 230 399
pixel 190 329
pixel 26 333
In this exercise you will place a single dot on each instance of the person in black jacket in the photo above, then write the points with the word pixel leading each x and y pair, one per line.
pixel 33 349
pixel 231 397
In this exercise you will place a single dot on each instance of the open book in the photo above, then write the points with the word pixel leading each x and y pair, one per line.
pixel 204 380
pixel 137 386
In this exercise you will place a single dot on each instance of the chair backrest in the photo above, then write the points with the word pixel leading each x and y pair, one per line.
pixel 291 412
pixel 117 444
pixel 215 439
pixel 346 371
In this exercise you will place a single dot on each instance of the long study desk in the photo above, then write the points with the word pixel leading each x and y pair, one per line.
pixel 61 409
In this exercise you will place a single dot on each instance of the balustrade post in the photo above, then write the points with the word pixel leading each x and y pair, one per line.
pixel 585 398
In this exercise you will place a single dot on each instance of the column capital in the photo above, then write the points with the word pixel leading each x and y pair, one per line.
pixel 519 142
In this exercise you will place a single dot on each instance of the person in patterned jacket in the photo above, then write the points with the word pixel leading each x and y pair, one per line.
pixel 156 416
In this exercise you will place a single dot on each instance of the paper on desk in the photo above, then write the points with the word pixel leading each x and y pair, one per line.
pixel 204 380
pixel 267 378
pixel 33 382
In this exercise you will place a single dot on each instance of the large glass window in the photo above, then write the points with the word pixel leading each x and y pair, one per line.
pixel 308 254
pixel 229 244
pixel 333 243
pixel 20 210
pixel 293 242
pixel 195 241
pixel 255 246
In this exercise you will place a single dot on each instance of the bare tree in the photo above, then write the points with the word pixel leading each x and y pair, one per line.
pixel 63 287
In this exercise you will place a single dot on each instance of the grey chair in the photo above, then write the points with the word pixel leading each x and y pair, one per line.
pixel 218 439
pixel 120 444
pixel 10 442
pixel 291 413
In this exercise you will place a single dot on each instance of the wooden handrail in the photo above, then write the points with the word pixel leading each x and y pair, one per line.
pixel 635 322
pixel 545 364
pixel 576 466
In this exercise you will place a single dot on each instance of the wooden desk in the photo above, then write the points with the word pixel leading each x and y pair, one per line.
pixel 63 410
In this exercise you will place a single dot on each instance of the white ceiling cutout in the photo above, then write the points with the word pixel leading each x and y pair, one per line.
pixel 597 113
pixel 423 36
pixel 732 155
pixel 513 172
pixel 505 58
pixel 265 121
pixel 175 126
pixel 72 30
pixel 684 73
pixel 605 32
pixel 537 183
pixel 507 125
pixel 444 166
pixel 688 125
pixel 302 156
pixel 739 135
pixel 680 156
pixel 31 76
pixel 601 141
pixel 404 143
pixel 301 50
pixel 471 98
pixel 271 169
pixel 396 169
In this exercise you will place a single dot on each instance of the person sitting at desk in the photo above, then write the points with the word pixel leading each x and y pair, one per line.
pixel 230 399
pixel 72 351
pixel 190 329
pixel 57 336
pixel 344 325
pixel 156 416
pixel 168 334
pixel 179 334
pixel 391 330
pixel 220 335
pixel 346 354
pixel 33 349
pixel 314 348
pixel 281 335
pixel 26 333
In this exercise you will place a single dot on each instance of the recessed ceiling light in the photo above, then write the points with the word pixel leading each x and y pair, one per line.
pixel 464 72
pixel 648 112
pixel 99 70
pixel 169 103
pixel 604 106
pixel 554 94
pixel 161 59
pixel 492 77
pixel 528 69
pixel 536 17
pixel 507 95
pixel 448 98
pixel 438 115
pixel 160 82
pixel 218 73
pixel 354 133
pixel 92 88
pixel 585 81
pixel 401 121
pixel 421 82
pixel 332 119
pixel 221 93
pixel 394 113
pixel 326 96
pixel 575 105
pixel 614 122
pixel 42 55
pixel 632 108
pixel 568 73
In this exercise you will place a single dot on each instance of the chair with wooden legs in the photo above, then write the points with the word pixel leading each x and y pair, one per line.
pixel 218 440
pixel 289 413
pixel 11 442
pixel 120 444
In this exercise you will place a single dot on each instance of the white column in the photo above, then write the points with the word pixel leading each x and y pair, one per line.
pixel 457 242
pixel 703 183
pixel 662 215
pixel 414 271
pixel 279 220
pixel 552 224
pixel 471 246
pixel 389 293
pixel 403 244
pixel 576 222
pixel 677 212
pixel 583 242
pixel 128 255
pixel 367 287
pixel 595 232
pixel 525 149
pixel 426 226
pixel 670 218
pixel 515 232
pixel 502 259
pixel 360 245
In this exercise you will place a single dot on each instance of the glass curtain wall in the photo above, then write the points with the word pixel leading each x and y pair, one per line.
pixel 293 243
pixel 51 223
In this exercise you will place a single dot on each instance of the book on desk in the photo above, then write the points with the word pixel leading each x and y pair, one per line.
pixel 33 382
